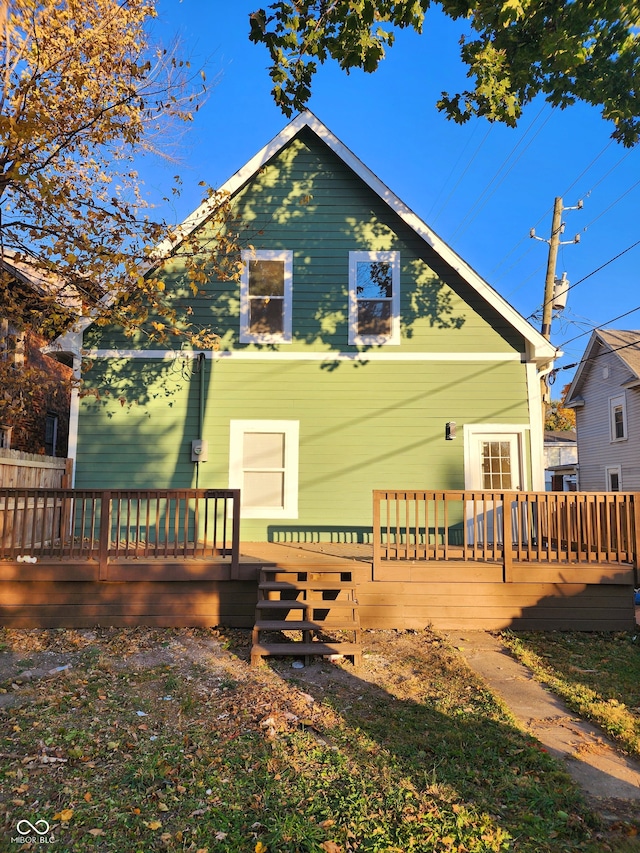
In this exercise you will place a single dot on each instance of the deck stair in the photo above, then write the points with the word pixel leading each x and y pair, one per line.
pixel 316 607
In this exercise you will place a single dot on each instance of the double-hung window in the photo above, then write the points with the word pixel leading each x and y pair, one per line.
pixel 263 464
pixel 614 478
pixel 266 296
pixel 618 418
pixel 374 298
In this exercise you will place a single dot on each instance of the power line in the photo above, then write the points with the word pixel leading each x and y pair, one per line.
pixel 477 204
pixel 599 325
pixel 466 169
pixel 613 204
pixel 594 357
pixel 454 169
pixel 598 269
pixel 584 171
pixel 546 212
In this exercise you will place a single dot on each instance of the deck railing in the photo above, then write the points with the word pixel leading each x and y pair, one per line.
pixel 506 527
pixel 105 526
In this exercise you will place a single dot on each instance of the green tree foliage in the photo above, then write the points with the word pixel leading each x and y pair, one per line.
pixel 566 50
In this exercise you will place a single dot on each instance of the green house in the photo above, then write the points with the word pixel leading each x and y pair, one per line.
pixel 357 352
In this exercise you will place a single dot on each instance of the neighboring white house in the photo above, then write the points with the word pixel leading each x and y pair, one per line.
pixel 605 394
pixel 560 460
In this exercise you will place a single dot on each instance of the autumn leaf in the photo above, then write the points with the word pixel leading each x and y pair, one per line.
pixel 65 814
pixel 153 824
pixel 331 847
pixel 96 832
pixel 260 848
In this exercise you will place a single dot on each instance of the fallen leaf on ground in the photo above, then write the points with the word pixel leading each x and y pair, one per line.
pixel 65 814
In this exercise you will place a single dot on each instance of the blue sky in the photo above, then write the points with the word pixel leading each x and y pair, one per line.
pixel 481 187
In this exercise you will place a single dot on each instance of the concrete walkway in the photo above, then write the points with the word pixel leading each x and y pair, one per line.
pixel 590 758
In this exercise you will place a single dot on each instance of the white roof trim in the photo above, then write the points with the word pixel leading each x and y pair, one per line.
pixel 542 349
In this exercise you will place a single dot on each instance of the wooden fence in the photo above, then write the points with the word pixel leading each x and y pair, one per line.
pixel 108 526
pixel 506 527
pixel 31 471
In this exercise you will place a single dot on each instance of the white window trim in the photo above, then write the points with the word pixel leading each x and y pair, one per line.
pixel 246 336
pixel 612 469
pixel 614 402
pixel 393 259
pixel 291 430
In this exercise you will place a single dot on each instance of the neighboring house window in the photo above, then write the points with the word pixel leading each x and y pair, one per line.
pixel 618 418
pixel 266 289
pixel 263 464
pixel 50 434
pixel 374 298
pixel 12 344
pixel 5 437
pixel 614 479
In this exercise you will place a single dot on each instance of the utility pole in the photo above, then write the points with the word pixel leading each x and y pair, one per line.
pixel 550 280
pixel 557 227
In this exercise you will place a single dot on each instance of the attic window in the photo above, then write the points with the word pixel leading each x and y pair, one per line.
pixel 266 296
pixel 374 298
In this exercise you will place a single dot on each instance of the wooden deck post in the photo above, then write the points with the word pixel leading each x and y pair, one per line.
pixel 377 533
pixel 105 536
pixel 235 537
pixel 635 499
pixel 507 539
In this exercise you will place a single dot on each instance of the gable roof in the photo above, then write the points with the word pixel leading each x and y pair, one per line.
pixel 624 344
pixel 538 348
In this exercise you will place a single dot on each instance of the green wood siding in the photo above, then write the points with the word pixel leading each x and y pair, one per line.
pixel 307 201
pixel 363 424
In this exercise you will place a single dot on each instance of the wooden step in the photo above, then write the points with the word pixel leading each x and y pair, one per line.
pixel 261 650
pixel 304 625
pixel 319 585
pixel 312 604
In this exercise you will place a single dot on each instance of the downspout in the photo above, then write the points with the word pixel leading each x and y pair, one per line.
pixel 202 454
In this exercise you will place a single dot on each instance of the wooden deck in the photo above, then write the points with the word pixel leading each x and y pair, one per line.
pixel 167 579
